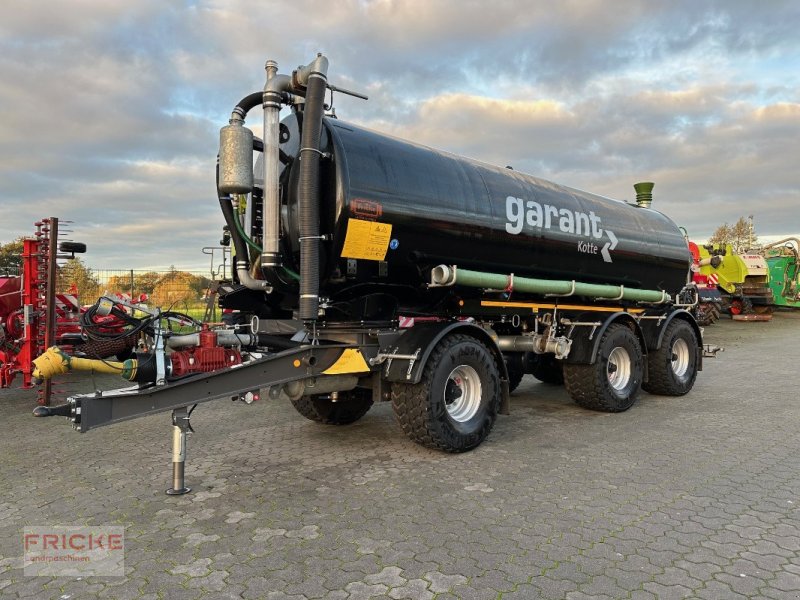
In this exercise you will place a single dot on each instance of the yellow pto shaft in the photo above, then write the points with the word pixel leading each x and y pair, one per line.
pixel 55 362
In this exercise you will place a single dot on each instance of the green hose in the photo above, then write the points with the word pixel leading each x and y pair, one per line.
pixel 258 249
pixel 444 275
pixel 247 240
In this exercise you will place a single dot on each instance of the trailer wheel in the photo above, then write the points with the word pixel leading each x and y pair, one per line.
pixel 515 370
pixel 546 368
pixel 454 406
pixel 613 382
pixel 673 367
pixel 349 408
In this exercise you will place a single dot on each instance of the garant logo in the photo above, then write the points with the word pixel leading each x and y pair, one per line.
pixel 544 216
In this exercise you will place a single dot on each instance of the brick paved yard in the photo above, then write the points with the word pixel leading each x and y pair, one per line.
pixel 679 497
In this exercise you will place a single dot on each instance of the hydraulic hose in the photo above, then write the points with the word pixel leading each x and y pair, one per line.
pixel 231 221
pixel 309 190
pixel 246 104
pixel 241 262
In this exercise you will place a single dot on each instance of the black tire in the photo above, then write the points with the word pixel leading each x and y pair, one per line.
pixel 437 411
pixel 349 408
pixel 546 368
pixel 705 314
pixel 702 319
pixel 515 370
pixel 613 382
pixel 672 368
pixel 73 247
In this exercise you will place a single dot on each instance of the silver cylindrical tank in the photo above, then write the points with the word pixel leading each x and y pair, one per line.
pixel 235 159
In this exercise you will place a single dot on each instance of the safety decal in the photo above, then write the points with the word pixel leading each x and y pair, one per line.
pixel 351 361
pixel 367 240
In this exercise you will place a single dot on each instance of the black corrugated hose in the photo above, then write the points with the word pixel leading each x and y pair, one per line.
pixel 248 103
pixel 309 197
pixel 227 212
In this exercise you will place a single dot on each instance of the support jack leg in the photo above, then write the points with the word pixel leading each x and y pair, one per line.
pixel 180 427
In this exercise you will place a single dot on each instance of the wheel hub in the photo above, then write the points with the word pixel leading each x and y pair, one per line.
pixel 462 394
pixel 680 357
pixel 618 368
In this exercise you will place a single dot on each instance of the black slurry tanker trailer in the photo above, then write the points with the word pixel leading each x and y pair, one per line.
pixel 370 269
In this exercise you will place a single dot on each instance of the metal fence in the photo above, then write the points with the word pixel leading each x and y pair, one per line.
pixel 184 291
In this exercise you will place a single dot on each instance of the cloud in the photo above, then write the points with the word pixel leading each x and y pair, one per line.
pixel 712 161
pixel 111 110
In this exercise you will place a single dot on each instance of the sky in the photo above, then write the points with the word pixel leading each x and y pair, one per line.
pixel 111 110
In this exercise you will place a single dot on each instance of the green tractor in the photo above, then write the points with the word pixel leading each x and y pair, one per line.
pixel 783 258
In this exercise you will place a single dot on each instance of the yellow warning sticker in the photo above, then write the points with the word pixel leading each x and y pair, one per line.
pixel 351 361
pixel 366 239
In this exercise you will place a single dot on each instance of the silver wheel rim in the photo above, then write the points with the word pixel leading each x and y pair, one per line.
pixel 619 368
pixel 462 393
pixel 680 357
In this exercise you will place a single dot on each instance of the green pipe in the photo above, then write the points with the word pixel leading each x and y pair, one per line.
pixel 444 275
pixel 257 248
pixel 245 237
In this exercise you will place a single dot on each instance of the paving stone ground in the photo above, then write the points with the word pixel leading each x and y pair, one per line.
pixel 690 497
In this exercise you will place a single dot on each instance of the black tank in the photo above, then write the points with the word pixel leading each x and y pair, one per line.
pixel 412 207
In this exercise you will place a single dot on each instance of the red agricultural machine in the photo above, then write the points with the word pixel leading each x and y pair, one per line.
pixel 709 304
pixel 33 316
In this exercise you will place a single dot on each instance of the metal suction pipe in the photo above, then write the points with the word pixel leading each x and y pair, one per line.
pixel 274 90
pixel 225 337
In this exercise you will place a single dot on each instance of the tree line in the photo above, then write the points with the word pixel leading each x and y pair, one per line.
pixel 171 288
pixel 741 235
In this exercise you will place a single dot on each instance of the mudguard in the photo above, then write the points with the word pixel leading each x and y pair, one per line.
pixel 653 331
pixel 421 340
pixel 586 340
